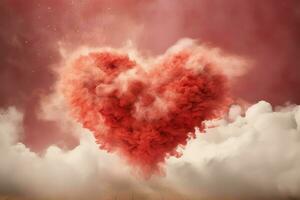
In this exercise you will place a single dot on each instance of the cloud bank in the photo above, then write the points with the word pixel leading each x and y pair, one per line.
pixel 248 156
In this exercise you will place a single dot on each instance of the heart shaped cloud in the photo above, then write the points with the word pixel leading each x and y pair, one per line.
pixel 145 109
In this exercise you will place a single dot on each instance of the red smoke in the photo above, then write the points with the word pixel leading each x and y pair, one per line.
pixel 144 113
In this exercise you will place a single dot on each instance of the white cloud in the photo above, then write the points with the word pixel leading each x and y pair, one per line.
pixel 254 157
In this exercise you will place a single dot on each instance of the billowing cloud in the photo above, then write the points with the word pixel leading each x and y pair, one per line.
pixel 251 156
pixel 255 156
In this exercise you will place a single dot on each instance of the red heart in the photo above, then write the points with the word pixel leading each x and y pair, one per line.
pixel 144 111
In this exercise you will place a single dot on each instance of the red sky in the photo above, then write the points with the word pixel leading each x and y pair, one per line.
pixel 267 32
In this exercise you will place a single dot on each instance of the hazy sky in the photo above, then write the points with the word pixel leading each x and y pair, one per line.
pixel 32 32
